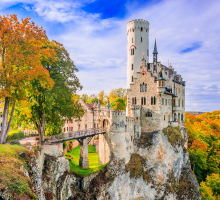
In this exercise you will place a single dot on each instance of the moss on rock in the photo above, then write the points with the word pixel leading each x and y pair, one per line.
pixel 135 166
pixel 174 135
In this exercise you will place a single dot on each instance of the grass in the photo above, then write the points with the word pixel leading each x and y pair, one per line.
pixel 93 157
pixel 12 179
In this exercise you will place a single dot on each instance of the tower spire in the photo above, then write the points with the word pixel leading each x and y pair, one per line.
pixel 155 52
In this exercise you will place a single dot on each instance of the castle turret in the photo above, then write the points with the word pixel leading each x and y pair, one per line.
pixel 160 83
pixel 155 52
pixel 137 44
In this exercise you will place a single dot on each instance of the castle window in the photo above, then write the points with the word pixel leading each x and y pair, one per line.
pixel 145 87
pixel 183 91
pixel 148 114
pixel 132 40
pixel 94 125
pixel 155 67
pixel 144 101
pixel 135 101
pixel 179 103
pixel 141 88
pixel 154 100
pixel 182 117
pixel 132 79
pixel 132 29
pixel 164 117
pixel 141 39
pixel 166 102
pixel 183 103
pixel 162 101
pixel 132 67
pixel 141 28
pixel 148 66
pixel 132 51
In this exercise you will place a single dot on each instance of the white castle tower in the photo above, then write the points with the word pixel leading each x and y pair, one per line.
pixel 137 45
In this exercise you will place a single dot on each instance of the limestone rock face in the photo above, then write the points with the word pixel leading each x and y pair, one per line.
pixel 50 176
pixel 158 168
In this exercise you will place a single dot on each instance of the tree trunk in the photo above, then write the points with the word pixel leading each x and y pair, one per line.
pixel 41 128
pixel 5 119
pixel 9 123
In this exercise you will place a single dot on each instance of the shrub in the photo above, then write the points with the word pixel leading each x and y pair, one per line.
pixel 12 135
pixel 64 145
pixel 15 142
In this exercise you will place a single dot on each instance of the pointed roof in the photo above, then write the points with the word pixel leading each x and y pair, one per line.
pixel 108 104
pixel 155 48
pixel 161 76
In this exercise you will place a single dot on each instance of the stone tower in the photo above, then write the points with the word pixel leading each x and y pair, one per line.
pixel 137 45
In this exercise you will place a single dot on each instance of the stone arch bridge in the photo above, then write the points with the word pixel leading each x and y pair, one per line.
pixel 84 137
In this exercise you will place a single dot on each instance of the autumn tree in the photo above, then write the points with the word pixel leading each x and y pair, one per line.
pixel 20 53
pixel 49 108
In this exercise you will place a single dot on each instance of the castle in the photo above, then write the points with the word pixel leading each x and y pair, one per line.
pixel 155 97
pixel 155 93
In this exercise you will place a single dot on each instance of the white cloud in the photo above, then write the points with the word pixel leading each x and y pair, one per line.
pixel 98 46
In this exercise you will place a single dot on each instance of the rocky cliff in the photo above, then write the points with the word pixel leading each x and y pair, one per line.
pixel 159 168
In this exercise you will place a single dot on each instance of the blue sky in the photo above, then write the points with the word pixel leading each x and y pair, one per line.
pixel 94 33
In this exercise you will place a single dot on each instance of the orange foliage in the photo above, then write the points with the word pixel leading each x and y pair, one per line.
pixel 21 50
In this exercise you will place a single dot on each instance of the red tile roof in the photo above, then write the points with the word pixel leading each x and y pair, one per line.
pixel 170 70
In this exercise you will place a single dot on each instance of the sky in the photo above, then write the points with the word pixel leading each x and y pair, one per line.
pixel 94 33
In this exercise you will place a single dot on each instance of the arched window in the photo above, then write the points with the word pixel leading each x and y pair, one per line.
pixel 140 87
pixel 132 67
pixel 154 100
pixel 143 87
pixel 164 117
pixel 132 101
pixel 141 28
pixel 133 51
pixel 148 114
pixel 132 79
pixel 182 117
pixel 141 39
pixel 135 101
pixel 144 101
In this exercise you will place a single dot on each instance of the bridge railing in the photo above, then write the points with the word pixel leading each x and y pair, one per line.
pixel 77 134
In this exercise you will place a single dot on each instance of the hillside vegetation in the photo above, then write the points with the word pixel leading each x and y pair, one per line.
pixel 13 164
pixel 204 151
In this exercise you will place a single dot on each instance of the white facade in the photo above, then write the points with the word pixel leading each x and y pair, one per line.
pixel 137 45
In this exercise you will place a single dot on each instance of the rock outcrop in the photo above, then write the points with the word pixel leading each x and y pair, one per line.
pixel 159 168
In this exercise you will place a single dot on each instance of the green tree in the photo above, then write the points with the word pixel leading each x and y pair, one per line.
pixel 20 53
pixel 118 104
pixel 49 108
